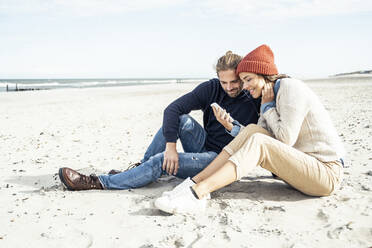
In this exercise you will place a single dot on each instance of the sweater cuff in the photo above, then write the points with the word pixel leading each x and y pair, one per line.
pixel 170 137
pixel 235 130
pixel 266 106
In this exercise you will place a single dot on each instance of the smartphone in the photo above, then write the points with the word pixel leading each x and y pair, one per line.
pixel 216 106
pixel 219 107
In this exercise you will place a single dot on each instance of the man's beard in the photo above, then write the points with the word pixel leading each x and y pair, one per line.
pixel 234 93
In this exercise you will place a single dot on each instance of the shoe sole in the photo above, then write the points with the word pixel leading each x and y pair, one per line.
pixel 166 209
pixel 60 174
pixel 169 193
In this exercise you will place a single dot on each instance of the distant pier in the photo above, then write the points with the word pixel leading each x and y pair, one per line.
pixel 19 89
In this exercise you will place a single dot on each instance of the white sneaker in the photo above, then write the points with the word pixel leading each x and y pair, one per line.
pixel 182 203
pixel 187 183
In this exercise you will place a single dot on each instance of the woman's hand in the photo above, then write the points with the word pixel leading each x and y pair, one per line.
pixel 267 93
pixel 223 117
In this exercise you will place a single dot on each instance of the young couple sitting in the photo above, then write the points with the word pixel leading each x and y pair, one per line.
pixel 266 119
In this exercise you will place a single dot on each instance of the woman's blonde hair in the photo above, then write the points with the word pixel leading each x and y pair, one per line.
pixel 229 61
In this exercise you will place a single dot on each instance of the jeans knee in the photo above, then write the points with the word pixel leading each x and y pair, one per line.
pixel 186 123
pixel 156 160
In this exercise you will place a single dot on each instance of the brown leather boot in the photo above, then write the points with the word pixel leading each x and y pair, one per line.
pixel 73 180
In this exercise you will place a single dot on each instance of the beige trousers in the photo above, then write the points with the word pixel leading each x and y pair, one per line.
pixel 256 146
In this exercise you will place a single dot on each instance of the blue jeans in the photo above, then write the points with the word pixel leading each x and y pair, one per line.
pixel 193 160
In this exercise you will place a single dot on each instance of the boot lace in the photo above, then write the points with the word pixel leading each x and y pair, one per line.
pixel 90 180
pixel 133 166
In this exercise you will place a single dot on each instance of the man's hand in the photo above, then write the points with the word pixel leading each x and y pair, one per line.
pixel 267 93
pixel 223 117
pixel 170 163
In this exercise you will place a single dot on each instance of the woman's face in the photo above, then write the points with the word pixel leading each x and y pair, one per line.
pixel 253 83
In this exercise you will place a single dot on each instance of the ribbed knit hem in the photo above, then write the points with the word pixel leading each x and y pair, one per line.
pixel 259 67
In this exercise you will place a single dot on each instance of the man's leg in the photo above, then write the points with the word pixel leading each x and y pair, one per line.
pixel 190 164
pixel 136 177
pixel 195 158
pixel 190 133
pixel 156 146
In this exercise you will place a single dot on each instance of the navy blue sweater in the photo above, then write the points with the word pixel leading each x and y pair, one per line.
pixel 242 108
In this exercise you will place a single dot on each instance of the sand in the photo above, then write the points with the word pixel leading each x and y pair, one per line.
pixel 95 130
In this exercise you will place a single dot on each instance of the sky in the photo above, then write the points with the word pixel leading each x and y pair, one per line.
pixel 180 38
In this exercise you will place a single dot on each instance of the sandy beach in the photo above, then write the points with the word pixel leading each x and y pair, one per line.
pixel 98 129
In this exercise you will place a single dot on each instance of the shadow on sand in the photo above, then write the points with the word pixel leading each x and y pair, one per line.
pixel 252 188
pixel 260 188
pixel 46 182
pixel 51 182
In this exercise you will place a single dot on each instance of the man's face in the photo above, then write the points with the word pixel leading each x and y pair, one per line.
pixel 230 83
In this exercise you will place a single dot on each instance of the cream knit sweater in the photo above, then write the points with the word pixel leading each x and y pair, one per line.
pixel 300 120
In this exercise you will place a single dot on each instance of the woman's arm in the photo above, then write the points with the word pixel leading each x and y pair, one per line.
pixel 292 105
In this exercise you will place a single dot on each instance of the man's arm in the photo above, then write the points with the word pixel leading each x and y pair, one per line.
pixel 194 100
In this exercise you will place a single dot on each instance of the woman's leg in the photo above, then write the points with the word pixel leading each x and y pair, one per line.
pixel 243 136
pixel 225 175
pixel 217 163
pixel 302 171
pixel 231 148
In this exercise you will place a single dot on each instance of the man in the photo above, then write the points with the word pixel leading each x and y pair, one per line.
pixel 200 145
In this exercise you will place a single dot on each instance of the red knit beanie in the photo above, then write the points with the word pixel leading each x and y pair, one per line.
pixel 259 61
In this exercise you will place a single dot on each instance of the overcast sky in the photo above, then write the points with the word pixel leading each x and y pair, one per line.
pixel 179 38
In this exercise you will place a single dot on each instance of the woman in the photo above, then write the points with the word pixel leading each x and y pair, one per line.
pixel 294 139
